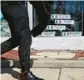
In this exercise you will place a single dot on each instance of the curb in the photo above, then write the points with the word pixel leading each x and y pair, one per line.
pixel 47 60
pixel 45 63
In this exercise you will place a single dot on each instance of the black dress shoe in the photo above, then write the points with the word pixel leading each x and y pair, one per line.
pixel 31 76
pixel 28 76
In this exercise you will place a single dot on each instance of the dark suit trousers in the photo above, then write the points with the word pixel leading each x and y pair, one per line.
pixel 17 16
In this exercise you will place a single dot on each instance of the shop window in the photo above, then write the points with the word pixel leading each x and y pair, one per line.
pixel 67 19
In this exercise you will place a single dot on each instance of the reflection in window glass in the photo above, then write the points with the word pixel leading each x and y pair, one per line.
pixel 66 19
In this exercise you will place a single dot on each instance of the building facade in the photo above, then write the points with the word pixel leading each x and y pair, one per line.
pixel 64 30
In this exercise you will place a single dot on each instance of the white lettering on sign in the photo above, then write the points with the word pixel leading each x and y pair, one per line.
pixel 64 21
pixel 60 16
pixel 55 27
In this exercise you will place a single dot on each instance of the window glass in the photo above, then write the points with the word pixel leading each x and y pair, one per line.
pixel 67 19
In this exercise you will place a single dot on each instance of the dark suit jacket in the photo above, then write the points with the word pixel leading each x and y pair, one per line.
pixel 43 13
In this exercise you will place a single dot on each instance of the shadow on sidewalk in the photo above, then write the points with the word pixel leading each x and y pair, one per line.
pixel 10 71
pixel 5 67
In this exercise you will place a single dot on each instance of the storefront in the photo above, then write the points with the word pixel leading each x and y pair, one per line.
pixel 65 28
pixel 66 19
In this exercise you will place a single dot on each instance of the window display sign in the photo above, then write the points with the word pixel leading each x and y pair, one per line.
pixel 60 16
pixel 55 27
pixel 71 33
pixel 51 34
pixel 67 19
pixel 64 21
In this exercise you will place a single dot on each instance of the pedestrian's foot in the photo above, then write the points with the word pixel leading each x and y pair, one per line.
pixel 28 76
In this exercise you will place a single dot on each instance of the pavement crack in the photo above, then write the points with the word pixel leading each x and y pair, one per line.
pixel 59 74
pixel 72 78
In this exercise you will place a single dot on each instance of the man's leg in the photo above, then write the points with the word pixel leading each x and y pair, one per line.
pixel 17 17
pixel 19 25
pixel 24 48
pixel 10 43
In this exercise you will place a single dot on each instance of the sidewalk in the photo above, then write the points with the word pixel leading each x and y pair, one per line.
pixel 46 73
pixel 50 65
pixel 61 54
pixel 40 59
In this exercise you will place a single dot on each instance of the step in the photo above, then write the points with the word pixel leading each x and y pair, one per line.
pixel 45 63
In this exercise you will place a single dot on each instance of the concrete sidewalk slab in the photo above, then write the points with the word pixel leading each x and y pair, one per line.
pixel 47 59
pixel 66 55
pixel 58 63
pixel 57 55
pixel 45 73
pixel 9 73
pixel 72 74
pixel 46 63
